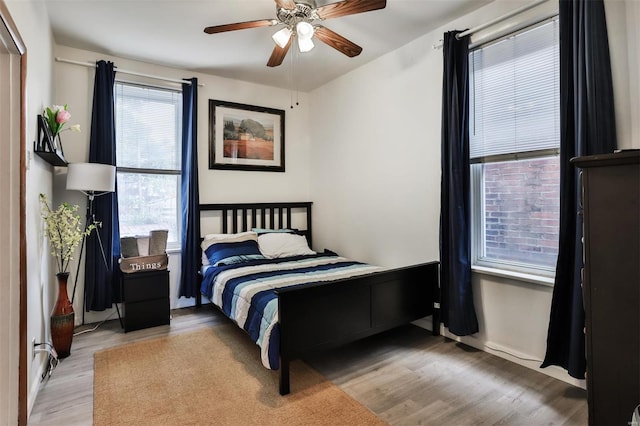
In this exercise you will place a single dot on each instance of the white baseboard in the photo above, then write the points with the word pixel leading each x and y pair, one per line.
pixel 507 353
pixel 426 322
pixel 35 384
pixel 534 364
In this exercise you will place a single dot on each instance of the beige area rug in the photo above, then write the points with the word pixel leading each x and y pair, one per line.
pixel 212 377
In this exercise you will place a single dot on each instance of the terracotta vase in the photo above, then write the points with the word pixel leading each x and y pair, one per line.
pixel 62 319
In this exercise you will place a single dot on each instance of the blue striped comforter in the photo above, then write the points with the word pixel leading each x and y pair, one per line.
pixel 245 292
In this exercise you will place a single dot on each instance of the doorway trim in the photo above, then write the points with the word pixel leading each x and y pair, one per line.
pixel 10 37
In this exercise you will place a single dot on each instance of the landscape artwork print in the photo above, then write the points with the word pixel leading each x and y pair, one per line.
pixel 245 137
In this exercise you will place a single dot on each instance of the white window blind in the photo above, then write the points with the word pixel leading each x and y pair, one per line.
pixel 148 156
pixel 148 127
pixel 515 99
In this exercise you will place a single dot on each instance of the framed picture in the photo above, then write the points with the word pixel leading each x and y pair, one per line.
pixel 245 137
pixel 45 136
pixel 47 145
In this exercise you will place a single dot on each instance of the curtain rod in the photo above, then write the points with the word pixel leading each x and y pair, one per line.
pixel 497 20
pixel 118 69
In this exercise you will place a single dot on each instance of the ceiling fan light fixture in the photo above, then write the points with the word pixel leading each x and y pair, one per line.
pixel 304 30
pixel 298 18
pixel 281 38
pixel 305 44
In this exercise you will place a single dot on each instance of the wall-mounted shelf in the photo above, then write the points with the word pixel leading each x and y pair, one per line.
pixel 51 158
pixel 47 146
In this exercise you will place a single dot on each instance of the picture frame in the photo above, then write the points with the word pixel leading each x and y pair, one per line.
pixel 45 136
pixel 245 137
pixel 48 146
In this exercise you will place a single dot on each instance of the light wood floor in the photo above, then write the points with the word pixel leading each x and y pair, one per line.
pixel 407 377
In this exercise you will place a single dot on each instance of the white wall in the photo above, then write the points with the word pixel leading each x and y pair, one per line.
pixel 376 171
pixel 633 37
pixel 74 86
pixel 624 61
pixel 375 160
pixel 32 22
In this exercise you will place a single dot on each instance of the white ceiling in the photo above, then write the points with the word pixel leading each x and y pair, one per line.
pixel 170 32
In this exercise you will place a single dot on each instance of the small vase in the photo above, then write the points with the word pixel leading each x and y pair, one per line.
pixel 62 319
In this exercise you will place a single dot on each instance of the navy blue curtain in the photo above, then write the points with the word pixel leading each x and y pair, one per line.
pixel 587 122
pixel 457 309
pixel 102 281
pixel 191 255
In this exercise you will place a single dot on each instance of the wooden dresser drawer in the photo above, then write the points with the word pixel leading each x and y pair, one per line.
pixel 146 299
pixel 145 285
pixel 150 313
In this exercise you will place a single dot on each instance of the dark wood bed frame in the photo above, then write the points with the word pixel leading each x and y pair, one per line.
pixel 328 314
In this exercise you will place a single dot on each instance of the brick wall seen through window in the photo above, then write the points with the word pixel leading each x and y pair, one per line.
pixel 521 205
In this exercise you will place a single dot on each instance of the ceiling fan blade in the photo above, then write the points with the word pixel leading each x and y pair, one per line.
pixel 338 42
pixel 286 4
pixel 278 54
pixel 349 7
pixel 240 26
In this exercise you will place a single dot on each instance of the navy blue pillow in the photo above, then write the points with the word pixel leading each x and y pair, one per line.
pixel 226 253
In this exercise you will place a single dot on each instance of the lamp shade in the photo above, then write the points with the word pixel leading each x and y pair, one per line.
pixel 305 44
pixel 91 177
pixel 304 30
pixel 281 38
pixel 305 33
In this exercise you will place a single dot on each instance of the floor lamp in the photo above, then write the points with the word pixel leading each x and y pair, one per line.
pixel 93 180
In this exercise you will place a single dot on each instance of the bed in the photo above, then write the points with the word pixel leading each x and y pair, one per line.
pixel 303 302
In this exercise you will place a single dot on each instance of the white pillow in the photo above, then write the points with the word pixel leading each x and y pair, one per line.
pixel 227 238
pixel 281 244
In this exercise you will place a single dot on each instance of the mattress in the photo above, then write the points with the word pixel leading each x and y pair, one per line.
pixel 247 292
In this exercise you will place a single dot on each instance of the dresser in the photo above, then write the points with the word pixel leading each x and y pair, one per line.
pixel 146 299
pixel 611 284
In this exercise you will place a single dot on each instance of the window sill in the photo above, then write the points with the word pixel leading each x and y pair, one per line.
pixel 173 250
pixel 518 276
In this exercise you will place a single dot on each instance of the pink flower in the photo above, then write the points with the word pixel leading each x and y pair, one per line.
pixel 56 116
pixel 63 116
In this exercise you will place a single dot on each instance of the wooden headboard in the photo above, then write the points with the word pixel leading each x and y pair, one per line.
pixel 240 217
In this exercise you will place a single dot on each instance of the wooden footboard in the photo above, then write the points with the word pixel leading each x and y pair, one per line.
pixel 330 314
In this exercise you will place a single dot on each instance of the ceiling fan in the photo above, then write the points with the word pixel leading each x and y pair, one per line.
pixel 298 18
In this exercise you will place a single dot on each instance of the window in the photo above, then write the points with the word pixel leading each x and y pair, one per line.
pixel 514 146
pixel 148 151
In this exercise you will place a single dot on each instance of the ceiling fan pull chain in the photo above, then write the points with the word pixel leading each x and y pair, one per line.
pixel 296 80
pixel 291 74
